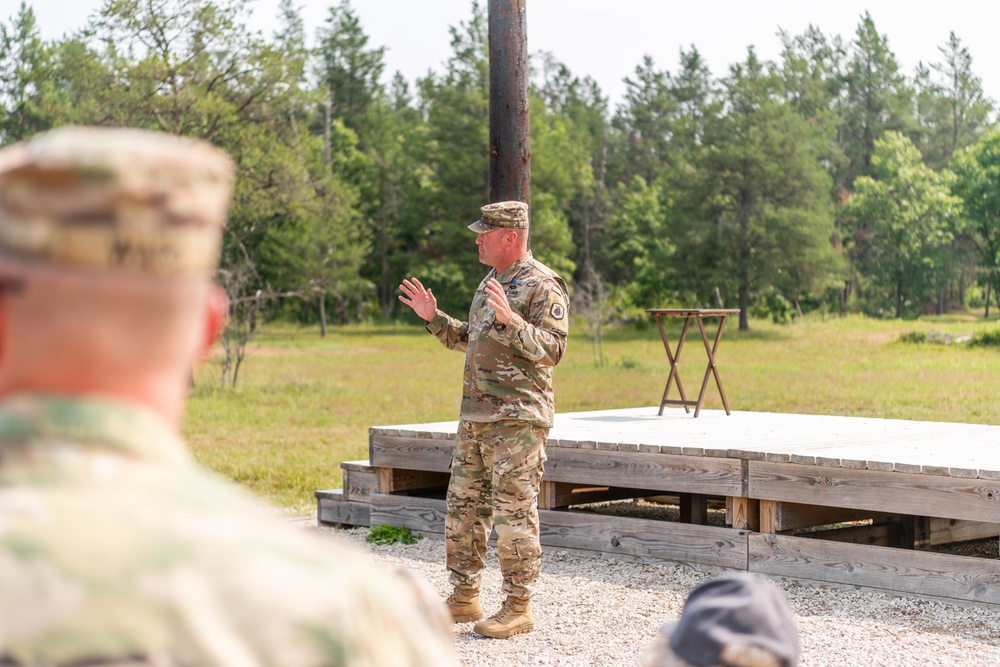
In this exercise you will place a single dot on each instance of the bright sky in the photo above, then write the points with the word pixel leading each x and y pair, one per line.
pixel 606 39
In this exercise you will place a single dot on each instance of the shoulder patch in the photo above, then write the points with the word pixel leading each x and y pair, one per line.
pixel 557 311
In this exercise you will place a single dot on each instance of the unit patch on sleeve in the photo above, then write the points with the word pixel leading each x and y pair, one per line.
pixel 557 311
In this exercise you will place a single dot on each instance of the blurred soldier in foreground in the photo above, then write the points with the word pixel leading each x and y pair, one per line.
pixel 115 549
pixel 735 621
pixel 515 334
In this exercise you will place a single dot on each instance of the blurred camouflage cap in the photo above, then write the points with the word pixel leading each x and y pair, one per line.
pixel 115 199
pixel 508 214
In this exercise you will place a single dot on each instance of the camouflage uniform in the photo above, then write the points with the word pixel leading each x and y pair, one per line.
pixel 115 549
pixel 506 413
pixel 113 544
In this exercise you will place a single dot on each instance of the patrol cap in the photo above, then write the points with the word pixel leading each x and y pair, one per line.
pixel 738 620
pixel 507 214
pixel 115 199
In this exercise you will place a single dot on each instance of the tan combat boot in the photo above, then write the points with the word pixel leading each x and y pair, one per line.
pixel 513 618
pixel 464 605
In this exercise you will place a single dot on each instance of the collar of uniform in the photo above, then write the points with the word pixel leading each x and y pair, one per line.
pixel 512 270
pixel 128 428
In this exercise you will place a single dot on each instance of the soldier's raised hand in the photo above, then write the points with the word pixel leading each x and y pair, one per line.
pixel 421 300
pixel 497 299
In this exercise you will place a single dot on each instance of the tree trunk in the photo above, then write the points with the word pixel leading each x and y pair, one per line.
pixel 989 287
pixel 322 314
pixel 341 309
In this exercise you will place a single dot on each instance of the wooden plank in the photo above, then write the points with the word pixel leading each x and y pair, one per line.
pixel 425 515
pixel 333 511
pixel 643 538
pixel 964 578
pixel 431 454
pixel 639 538
pixel 946 531
pixel 901 493
pixel 791 516
pixel 889 534
pixel 358 484
pixel 660 472
pixel 561 494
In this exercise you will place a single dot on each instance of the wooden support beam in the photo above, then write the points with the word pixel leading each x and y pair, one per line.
pixel 768 516
pixel 694 508
pixel 743 513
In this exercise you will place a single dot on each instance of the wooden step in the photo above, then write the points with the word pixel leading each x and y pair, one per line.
pixel 335 510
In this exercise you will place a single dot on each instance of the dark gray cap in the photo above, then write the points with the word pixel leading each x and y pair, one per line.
pixel 739 620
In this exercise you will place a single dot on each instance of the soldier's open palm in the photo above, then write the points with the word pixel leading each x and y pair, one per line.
pixel 421 300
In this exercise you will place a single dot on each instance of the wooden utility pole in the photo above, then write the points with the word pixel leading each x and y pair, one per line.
pixel 510 150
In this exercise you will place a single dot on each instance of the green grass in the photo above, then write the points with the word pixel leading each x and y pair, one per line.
pixel 386 534
pixel 305 403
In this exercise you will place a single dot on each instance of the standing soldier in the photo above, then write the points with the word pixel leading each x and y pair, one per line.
pixel 115 548
pixel 515 334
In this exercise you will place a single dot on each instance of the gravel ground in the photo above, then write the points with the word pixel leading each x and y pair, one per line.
pixel 598 612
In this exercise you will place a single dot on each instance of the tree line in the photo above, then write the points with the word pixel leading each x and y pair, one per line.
pixel 828 179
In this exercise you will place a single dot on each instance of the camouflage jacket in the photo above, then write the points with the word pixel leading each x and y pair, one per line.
pixel 508 368
pixel 116 549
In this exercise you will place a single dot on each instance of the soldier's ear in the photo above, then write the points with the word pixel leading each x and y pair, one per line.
pixel 216 318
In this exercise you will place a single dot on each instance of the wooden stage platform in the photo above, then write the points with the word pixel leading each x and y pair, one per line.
pixel 839 501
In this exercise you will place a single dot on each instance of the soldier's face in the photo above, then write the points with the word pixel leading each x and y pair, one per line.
pixel 491 246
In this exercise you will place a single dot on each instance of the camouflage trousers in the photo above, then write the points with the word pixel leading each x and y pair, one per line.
pixel 496 473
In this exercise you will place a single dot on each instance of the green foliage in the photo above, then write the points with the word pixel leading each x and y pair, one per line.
pixel 977 182
pixel 904 221
pixel 913 337
pixel 694 186
pixel 987 338
pixel 775 307
pixel 386 534
pixel 933 337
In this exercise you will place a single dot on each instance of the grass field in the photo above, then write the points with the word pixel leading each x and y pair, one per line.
pixel 305 403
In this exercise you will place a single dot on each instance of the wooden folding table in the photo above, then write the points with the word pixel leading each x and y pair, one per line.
pixel 698 315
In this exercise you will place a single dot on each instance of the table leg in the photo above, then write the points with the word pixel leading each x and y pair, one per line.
pixel 712 368
pixel 674 360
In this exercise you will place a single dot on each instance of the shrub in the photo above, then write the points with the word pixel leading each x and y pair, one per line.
pixel 913 337
pixel 629 363
pixel 990 338
pixel 386 534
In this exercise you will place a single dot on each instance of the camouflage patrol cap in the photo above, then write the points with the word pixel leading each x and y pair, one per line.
pixel 115 199
pixel 507 214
